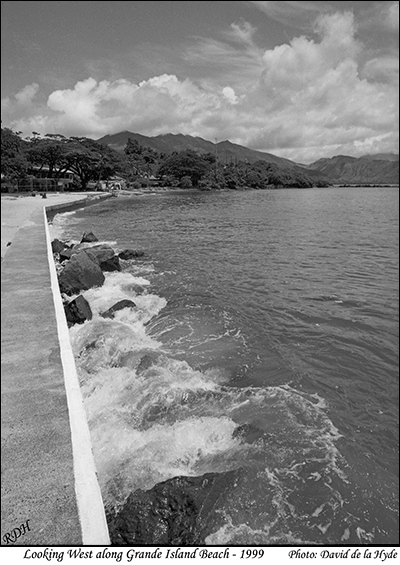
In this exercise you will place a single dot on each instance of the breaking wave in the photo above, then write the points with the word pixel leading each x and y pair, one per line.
pixel 153 416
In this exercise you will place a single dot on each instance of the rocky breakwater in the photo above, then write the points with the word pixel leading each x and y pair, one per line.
pixel 81 267
pixel 183 510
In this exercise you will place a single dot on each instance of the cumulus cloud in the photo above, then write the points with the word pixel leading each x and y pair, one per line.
pixel 230 95
pixel 161 104
pixel 303 100
pixel 27 94
pixel 305 62
pixel 313 99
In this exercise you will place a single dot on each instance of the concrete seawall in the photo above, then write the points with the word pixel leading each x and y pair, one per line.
pixel 49 480
pixel 53 209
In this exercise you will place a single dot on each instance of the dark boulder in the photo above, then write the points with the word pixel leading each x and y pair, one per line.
pixel 111 264
pixel 130 254
pixel 182 511
pixel 65 254
pixel 80 273
pixel 77 311
pixel 118 306
pixel 57 246
pixel 104 256
pixel 88 237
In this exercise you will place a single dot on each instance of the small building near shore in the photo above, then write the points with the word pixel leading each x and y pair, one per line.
pixel 38 179
pixel 113 183
pixel 116 183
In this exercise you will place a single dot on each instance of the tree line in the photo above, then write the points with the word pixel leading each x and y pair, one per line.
pixel 91 161
pixel 56 154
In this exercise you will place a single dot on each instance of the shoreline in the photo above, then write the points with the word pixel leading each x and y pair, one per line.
pixel 328 449
pixel 49 480
pixel 17 211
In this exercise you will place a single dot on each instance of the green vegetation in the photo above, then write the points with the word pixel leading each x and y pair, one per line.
pixel 139 165
pixel 13 160
pixel 56 154
pixel 204 172
pixel 141 162
pixel 185 167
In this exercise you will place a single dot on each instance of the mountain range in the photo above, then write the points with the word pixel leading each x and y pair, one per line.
pixel 382 168
pixel 368 169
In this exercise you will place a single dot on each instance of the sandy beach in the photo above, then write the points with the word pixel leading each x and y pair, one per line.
pixel 17 210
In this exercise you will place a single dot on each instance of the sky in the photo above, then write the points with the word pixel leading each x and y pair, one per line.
pixel 301 80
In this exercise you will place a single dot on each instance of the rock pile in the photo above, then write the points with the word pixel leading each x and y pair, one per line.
pixel 182 511
pixel 81 267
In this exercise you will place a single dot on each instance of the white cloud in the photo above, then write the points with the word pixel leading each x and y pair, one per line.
pixel 304 100
pixel 304 62
pixel 297 14
pixel 27 94
pixel 237 60
pixel 159 105
pixel 392 16
pixel 230 95
pixel 242 32
pixel 312 96
pixel 382 69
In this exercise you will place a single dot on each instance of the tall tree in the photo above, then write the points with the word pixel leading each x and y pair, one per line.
pixel 90 160
pixel 48 153
pixel 86 158
pixel 185 164
pixel 141 160
pixel 13 161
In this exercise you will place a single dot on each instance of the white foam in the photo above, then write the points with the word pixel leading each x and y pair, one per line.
pixel 172 420
pixel 243 535
pixel 155 419
pixel 142 458
pixel 58 226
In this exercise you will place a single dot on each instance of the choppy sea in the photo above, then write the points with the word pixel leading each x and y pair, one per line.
pixel 265 338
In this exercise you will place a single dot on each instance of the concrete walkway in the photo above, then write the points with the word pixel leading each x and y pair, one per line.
pixel 37 451
pixel 16 209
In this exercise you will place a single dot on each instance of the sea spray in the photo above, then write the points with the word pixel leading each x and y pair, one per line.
pixel 153 417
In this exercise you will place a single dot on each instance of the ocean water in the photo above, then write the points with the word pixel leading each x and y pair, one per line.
pixel 265 338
